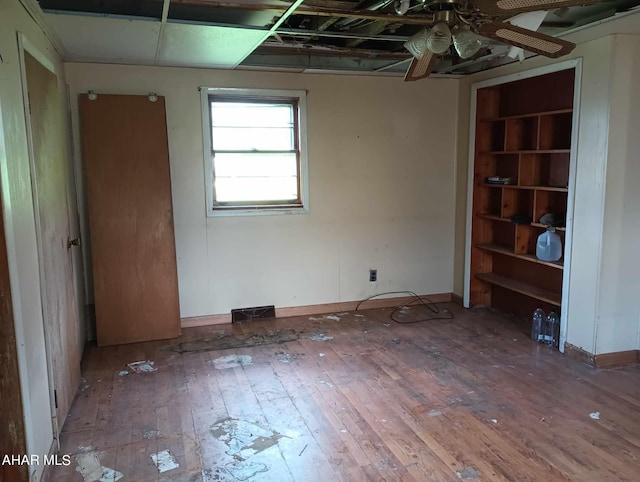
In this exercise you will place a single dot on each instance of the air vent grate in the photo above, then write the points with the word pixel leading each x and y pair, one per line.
pixel 242 315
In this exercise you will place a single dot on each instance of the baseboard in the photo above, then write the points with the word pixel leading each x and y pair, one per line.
pixel 207 320
pixel 579 354
pixel 617 358
pixel 602 360
pixel 457 299
pixel 221 319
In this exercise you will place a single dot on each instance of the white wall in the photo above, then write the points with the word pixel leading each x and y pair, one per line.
pixel 595 320
pixel 18 212
pixel 619 303
pixel 381 177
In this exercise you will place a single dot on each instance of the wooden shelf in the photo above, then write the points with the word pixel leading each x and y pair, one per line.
pixel 529 151
pixel 531 188
pixel 496 248
pixel 524 116
pixel 522 288
pixel 544 226
pixel 494 217
pixel 524 133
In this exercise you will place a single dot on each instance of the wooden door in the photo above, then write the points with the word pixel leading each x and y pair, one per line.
pixel 50 180
pixel 126 161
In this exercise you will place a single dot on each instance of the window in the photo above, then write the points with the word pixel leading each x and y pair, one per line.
pixel 255 151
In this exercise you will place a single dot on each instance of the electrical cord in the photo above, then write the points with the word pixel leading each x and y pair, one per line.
pixel 430 305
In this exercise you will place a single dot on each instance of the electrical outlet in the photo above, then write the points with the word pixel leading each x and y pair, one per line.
pixel 373 275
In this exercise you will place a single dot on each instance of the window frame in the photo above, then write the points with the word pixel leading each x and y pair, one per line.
pixel 295 97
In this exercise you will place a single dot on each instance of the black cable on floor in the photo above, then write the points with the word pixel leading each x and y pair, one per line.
pixel 430 305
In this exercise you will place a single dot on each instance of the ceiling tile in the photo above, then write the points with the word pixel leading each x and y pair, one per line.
pixel 207 46
pixel 89 38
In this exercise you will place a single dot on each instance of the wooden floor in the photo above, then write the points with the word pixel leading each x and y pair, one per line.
pixel 468 399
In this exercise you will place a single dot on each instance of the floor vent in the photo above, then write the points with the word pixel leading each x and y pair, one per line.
pixel 241 315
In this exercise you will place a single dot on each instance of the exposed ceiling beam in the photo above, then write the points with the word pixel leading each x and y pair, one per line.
pixel 374 28
pixel 275 48
pixel 311 33
pixel 274 27
pixel 163 22
pixel 311 9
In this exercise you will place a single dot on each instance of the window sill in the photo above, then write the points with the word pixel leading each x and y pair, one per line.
pixel 258 211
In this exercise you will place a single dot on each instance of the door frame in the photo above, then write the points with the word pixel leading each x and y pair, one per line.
pixel 575 64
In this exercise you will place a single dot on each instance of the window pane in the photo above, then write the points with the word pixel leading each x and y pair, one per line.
pixel 251 115
pixel 253 138
pixel 255 177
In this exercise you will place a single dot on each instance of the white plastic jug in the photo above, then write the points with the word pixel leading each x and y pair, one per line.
pixel 549 246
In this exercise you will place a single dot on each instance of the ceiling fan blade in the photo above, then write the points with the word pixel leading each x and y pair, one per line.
pixel 421 68
pixel 527 39
pixel 505 8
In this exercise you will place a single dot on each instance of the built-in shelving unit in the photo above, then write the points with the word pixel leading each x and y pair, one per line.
pixel 523 134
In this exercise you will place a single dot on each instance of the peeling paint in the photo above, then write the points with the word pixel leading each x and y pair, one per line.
pixel 328 384
pixel 244 470
pixel 232 361
pixel 244 439
pixel 435 413
pixel 144 366
pixel 165 461
pixel 92 470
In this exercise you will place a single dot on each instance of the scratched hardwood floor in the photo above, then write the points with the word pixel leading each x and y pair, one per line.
pixel 467 399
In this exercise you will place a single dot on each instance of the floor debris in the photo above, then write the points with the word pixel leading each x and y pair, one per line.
pixel 92 470
pixel 319 336
pixel 123 373
pixel 286 357
pixel 165 461
pixel 435 413
pixel 244 439
pixel 222 341
pixel 468 473
pixel 83 384
pixel 595 415
pixel 321 355
pixel 332 317
pixel 151 434
pixel 232 361
pixel 494 420
pixel 144 366
pixel 303 449
pixel 328 384
pixel 396 341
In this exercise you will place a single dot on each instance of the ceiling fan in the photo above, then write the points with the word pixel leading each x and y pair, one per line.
pixel 464 23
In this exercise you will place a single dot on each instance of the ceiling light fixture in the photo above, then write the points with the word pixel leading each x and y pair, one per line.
pixel 465 41
pixel 417 44
pixel 439 38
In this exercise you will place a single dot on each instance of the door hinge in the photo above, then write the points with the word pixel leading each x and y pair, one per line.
pixel 55 398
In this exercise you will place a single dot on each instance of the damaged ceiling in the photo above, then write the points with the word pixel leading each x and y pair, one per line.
pixel 306 35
